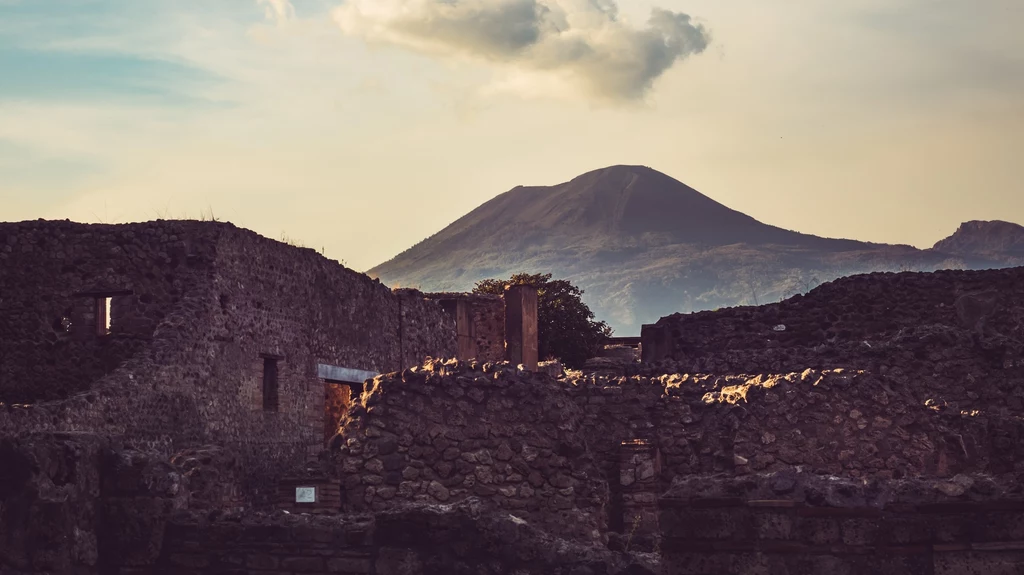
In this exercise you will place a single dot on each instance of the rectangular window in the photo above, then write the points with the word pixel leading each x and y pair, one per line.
pixel 270 402
pixel 102 315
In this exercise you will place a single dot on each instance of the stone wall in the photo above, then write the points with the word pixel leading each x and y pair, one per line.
pixel 420 540
pixel 554 451
pixel 79 504
pixel 952 337
pixel 198 377
pixel 483 327
pixel 841 423
pixel 70 502
pixel 793 523
pixel 446 432
pixel 49 346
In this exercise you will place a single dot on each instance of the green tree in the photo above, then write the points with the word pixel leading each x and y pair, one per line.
pixel 566 328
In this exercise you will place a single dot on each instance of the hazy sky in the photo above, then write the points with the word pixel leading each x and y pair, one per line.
pixel 363 126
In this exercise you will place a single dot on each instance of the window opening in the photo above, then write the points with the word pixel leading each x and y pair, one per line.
pixel 270 397
pixel 102 315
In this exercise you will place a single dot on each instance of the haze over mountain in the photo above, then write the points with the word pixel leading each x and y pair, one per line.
pixel 643 245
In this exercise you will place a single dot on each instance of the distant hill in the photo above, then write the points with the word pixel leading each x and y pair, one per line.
pixel 994 241
pixel 642 245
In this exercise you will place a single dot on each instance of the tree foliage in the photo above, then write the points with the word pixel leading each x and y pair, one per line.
pixel 566 328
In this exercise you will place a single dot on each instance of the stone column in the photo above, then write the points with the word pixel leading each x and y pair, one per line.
pixel 521 325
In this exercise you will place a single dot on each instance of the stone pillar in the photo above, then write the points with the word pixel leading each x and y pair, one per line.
pixel 521 325
pixel 464 328
pixel 639 470
pixel 655 343
pixel 461 310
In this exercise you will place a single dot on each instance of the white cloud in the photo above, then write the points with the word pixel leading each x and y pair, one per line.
pixel 581 43
pixel 278 11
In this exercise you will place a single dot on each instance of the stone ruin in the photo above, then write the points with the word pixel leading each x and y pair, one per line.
pixel 871 426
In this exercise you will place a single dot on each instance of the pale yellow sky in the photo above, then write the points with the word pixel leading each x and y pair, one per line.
pixel 363 133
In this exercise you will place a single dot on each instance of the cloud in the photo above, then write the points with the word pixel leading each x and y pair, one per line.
pixel 279 11
pixel 581 43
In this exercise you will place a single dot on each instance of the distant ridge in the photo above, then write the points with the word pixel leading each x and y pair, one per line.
pixel 977 238
pixel 642 245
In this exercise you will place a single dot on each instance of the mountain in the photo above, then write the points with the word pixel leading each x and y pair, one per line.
pixel 642 245
pixel 993 241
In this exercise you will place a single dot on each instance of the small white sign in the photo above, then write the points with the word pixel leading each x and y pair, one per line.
pixel 305 494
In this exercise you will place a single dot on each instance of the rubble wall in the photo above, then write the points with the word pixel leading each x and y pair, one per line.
pixel 955 337
pixel 446 432
pixel 449 431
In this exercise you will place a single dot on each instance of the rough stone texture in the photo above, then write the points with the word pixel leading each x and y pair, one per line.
pixel 468 538
pixel 449 431
pixel 44 264
pixel 552 450
pixel 485 328
pixel 836 422
pixel 220 297
pixel 892 446
pixel 798 523
pixel 70 502
pixel 49 504
pixel 213 475
pixel 81 504
pixel 954 337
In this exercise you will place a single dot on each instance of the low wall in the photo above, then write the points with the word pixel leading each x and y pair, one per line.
pixel 425 540
pixel 449 431
pixel 789 523
pixel 585 456
pixel 78 504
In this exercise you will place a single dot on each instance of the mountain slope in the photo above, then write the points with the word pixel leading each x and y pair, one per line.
pixel 985 240
pixel 641 244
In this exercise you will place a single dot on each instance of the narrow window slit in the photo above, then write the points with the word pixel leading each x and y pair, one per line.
pixel 270 396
